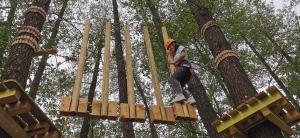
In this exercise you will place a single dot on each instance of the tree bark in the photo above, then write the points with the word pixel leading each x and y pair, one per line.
pixel 20 55
pixel 127 127
pixel 276 78
pixel 153 131
pixel 42 65
pixel 204 107
pixel 6 30
pixel 232 72
pixel 86 121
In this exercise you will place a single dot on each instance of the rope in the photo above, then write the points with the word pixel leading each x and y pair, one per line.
pixel 28 40
pixel 31 30
pixel 224 54
pixel 207 25
pixel 36 9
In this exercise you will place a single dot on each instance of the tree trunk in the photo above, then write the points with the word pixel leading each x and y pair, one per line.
pixel 158 24
pixel 42 65
pixel 86 121
pixel 232 72
pixel 6 30
pixel 205 109
pixel 153 131
pixel 276 78
pixel 127 127
pixel 20 55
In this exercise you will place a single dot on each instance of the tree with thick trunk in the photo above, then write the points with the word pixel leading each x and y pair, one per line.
pixel 86 121
pixel 40 71
pixel 199 94
pixel 235 78
pixel 20 54
pixel 127 127
pixel 6 30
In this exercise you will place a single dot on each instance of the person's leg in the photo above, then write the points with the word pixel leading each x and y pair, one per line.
pixel 175 80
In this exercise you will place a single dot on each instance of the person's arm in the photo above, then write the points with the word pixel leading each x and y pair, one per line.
pixel 183 54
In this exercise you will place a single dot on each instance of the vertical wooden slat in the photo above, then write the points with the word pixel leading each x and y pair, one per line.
pixel 129 73
pixel 105 83
pixel 155 80
pixel 83 51
pixel 165 37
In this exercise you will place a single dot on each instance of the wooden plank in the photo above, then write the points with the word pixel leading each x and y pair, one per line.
pixel 10 96
pixel 178 111
pixel 252 101
pixel 37 129
pixel 291 118
pixel 233 112
pixel 185 110
pixel 82 107
pixel 276 121
pixel 288 106
pixel 35 110
pixel 170 115
pixel 129 73
pixel 165 37
pixel 65 106
pixel 19 108
pixel 261 95
pixel 124 112
pixel 155 79
pixel 105 81
pixel 29 118
pixel 112 110
pixel 8 124
pixel 192 112
pixel 242 107
pixel 235 132
pixel 140 113
pixel 249 111
pixel 79 74
pixel 96 110
pixel 216 122
pixel 155 114
pixel 225 117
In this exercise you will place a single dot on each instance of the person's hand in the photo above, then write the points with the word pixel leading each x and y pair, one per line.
pixel 171 61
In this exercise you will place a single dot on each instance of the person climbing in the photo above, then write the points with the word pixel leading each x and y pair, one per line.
pixel 182 73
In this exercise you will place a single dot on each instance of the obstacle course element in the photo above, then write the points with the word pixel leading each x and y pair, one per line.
pixel 107 110
pixel 270 105
pixel 75 105
pixel 182 110
pixel 158 113
pixel 20 116
pixel 130 111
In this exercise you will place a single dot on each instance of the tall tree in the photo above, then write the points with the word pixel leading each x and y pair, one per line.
pixel 20 54
pixel 86 121
pixel 234 75
pixel 127 127
pixel 6 30
pixel 39 73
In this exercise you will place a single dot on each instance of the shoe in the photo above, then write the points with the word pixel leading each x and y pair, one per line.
pixel 191 100
pixel 178 98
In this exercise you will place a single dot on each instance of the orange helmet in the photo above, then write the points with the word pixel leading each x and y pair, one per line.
pixel 168 42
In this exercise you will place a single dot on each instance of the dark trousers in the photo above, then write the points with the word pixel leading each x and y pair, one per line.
pixel 179 79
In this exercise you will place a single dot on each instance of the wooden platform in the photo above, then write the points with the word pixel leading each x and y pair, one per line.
pixel 82 109
pixel 184 111
pixel 270 105
pixel 139 113
pixel 19 114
